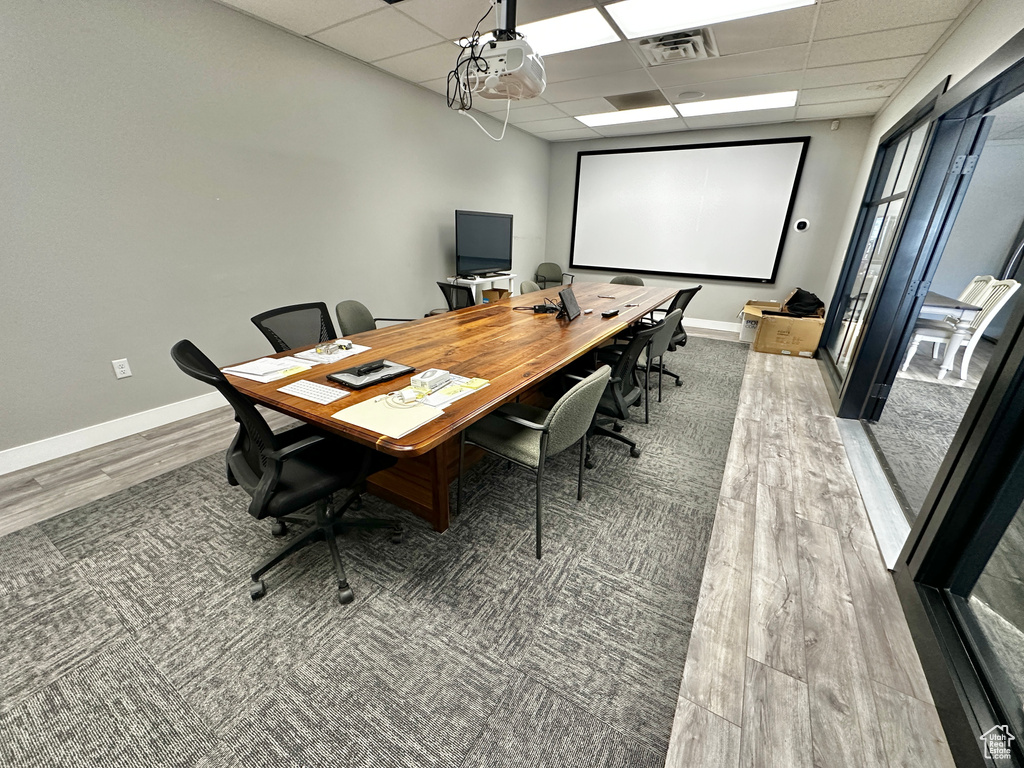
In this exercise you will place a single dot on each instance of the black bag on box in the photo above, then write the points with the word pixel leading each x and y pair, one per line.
pixel 804 304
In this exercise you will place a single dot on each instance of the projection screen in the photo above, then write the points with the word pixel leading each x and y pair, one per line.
pixel 710 210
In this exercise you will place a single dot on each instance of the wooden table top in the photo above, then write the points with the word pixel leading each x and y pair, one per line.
pixel 512 349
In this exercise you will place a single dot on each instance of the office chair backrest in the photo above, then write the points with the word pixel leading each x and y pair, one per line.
pixel 625 367
pixel 570 418
pixel 662 340
pixel 528 286
pixel 297 325
pixel 626 280
pixel 549 272
pixel 353 317
pixel 680 302
pixel 246 457
pixel 457 296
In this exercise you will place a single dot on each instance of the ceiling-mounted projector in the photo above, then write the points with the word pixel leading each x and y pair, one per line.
pixel 506 69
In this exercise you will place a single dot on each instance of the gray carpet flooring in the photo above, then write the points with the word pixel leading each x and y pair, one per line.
pixel 129 638
pixel 915 431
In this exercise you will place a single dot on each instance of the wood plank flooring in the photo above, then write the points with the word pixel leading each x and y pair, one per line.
pixel 800 654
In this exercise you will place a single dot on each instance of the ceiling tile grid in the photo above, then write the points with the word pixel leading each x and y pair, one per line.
pixel 844 57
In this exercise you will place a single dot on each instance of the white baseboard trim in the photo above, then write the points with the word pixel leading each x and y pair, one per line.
pixel 22 456
pixel 712 325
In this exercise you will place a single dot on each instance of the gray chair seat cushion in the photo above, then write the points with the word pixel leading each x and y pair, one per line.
pixel 507 439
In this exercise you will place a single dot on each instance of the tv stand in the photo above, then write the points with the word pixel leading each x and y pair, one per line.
pixel 478 282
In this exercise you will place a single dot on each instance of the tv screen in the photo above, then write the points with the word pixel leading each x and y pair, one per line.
pixel 483 242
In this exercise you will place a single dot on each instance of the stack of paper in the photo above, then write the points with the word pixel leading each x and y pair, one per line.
pixel 268 368
pixel 312 356
pixel 387 417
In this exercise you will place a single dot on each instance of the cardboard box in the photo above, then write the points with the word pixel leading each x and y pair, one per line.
pixel 788 335
pixel 494 294
pixel 750 317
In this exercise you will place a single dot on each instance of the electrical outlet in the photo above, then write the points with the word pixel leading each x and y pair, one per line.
pixel 121 369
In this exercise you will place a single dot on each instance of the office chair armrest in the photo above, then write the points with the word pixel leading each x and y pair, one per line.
pixel 288 450
pixel 521 422
pixel 392 319
pixel 565 275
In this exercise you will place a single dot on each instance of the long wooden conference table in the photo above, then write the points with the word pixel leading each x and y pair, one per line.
pixel 514 350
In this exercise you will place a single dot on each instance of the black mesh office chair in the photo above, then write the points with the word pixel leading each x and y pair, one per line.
pixel 297 325
pixel 680 302
pixel 287 472
pixel 457 296
pixel 624 391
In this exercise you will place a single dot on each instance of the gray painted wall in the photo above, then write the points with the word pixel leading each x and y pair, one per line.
pixel 824 197
pixel 173 168
pixel 987 225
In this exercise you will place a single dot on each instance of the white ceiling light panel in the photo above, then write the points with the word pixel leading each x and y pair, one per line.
pixel 571 32
pixel 738 104
pixel 628 116
pixel 640 18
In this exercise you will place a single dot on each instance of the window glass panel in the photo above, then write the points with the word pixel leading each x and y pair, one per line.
pixel 910 160
pixel 997 602
pixel 876 255
pixel 894 168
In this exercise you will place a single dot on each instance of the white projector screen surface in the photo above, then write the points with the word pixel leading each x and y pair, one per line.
pixel 717 211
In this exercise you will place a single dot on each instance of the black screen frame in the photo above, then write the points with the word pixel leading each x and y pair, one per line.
pixel 804 140
pixel 460 256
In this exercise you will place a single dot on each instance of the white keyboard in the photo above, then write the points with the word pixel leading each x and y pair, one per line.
pixel 310 390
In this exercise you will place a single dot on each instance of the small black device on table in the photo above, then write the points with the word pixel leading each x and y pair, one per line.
pixel 368 374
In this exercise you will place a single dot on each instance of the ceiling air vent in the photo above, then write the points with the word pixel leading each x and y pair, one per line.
pixel 688 45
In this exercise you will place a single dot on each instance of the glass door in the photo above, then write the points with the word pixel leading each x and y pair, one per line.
pixel 883 219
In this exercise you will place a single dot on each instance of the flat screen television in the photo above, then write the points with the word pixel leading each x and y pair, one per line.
pixel 483 243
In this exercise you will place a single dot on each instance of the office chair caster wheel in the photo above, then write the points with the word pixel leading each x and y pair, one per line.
pixel 357 504
pixel 679 383
pixel 588 464
pixel 397 535
pixel 278 529
pixel 346 595
pixel 257 590
pixel 634 452
pixel 617 426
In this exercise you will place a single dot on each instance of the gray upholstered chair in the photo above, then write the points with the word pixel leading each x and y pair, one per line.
pixel 528 286
pixel 549 272
pixel 661 342
pixel 626 280
pixel 354 317
pixel 527 436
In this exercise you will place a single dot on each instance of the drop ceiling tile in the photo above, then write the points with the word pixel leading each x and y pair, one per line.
pixel 585 106
pixel 535 10
pixel 839 109
pixel 581 133
pixel 786 59
pixel 306 16
pixel 378 35
pixel 856 92
pixel 531 114
pixel 420 66
pixel 558 124
pixel 636 129
pixel 590 62
pixel 770 30
pixel 628 81
pixel 741 86
pixel 841 19
pixel 754 117
pixel 864 72
pixel 875 45
pixel 438 86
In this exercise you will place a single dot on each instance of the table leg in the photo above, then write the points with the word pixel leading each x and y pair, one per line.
pixel 959 334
